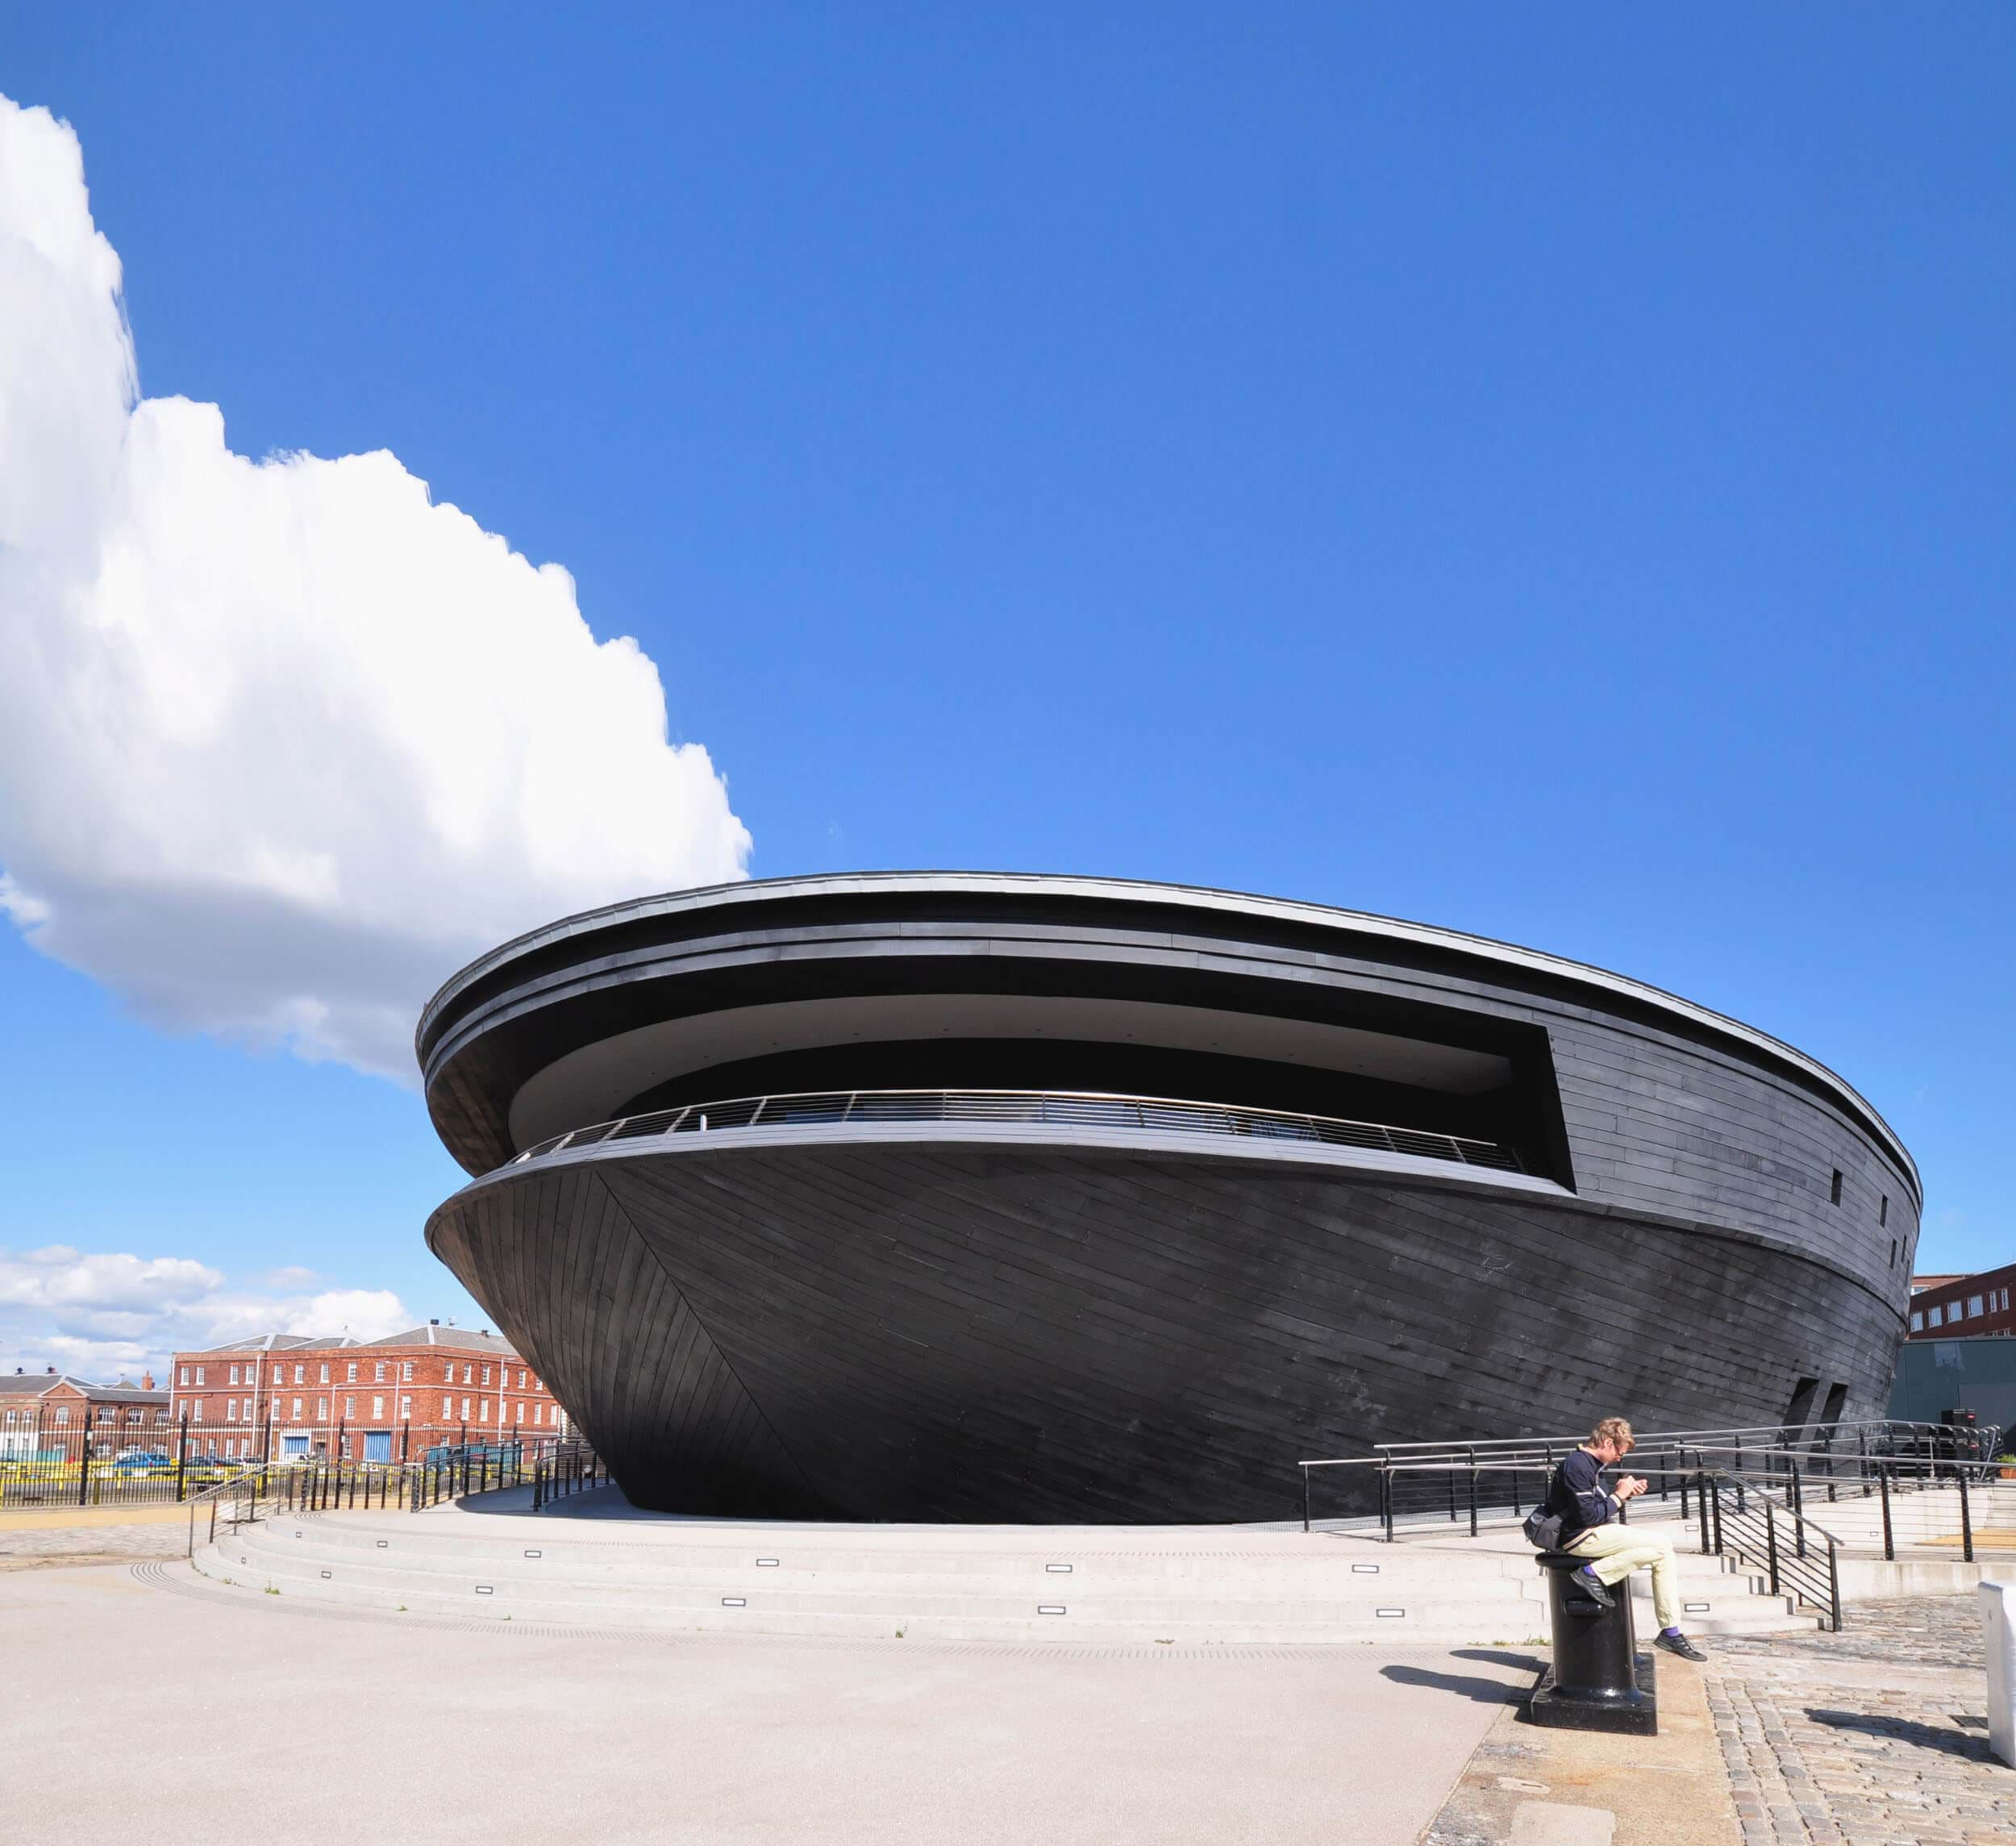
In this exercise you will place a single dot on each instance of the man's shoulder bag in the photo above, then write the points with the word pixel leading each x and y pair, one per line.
pixel 1543 1529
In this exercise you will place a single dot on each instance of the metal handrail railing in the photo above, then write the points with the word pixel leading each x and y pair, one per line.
pixel 249 1483
pixel 1874 1455
pixel 1821 1434
pixel 1753 1533
pixel 843 1108
pixel 1747 1500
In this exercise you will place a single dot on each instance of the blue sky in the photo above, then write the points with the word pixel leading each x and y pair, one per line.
pixel 1546 472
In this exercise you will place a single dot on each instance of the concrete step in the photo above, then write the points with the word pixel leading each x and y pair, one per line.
pixel 1116 1585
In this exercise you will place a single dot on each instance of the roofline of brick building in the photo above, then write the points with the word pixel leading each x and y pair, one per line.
pixel 461 1338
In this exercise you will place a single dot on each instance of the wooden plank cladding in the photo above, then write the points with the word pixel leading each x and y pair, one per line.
pixel 1008 1316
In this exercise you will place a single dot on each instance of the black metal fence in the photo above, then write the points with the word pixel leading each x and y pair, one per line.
pixel 119 1458
pixel 572 1468
pixel 261 1491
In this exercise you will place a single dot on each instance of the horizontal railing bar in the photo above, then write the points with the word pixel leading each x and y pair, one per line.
pixel 1689 1436
pixel 1040 1107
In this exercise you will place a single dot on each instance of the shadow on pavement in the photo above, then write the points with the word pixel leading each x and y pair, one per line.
pixel 1497 1656
pixel 1481 1691
pixel 1908 1730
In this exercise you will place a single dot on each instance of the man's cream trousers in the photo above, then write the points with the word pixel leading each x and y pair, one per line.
pixel 1618 1551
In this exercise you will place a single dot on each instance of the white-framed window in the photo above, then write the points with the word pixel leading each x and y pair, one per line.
pixel 349 1407
pixel 1918 1321
pixel 406 1409
pixel 1973 1306
pixel 465 1410
pixel 1935 1317
pixel 185 1374
pixel 234 1374
pixel 321 1410
pixel 486 1374
pixel 377 1373
pixel 196 1411
pixel 468 1374
pixel 377 1409
pixel 405 1372
pixel 350 1372
pixel 230 1410
pixel 323 1372
pixel 448 1372
pixel 521 1378
pixel 301 1374
pixel 199 1374
pixel 297 1409
pixel 521 1410
pixel 483 1411
pixel 447 1408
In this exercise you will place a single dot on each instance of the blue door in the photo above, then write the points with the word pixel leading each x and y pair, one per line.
pixel 377 1445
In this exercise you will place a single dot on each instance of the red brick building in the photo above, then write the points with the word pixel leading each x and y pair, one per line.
pixel 1947 1307
pixel 394 1399
pixel 46 1413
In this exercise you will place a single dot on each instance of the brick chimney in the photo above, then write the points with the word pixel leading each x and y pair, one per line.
pixel 146 1380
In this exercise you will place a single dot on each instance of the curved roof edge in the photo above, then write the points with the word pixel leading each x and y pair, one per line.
pixel 1197 896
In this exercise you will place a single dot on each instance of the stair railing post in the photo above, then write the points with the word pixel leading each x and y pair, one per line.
pixel 1834 1583
pixel 84 1462
pixel 1967 1522
pixel 182 1468
pixel 1385 1499
pixel 1771 1542
pixel 1305 1493
pixel 1473 1493
pixel 1882 1488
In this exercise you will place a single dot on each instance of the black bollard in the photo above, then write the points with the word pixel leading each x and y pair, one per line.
pixel 1598 1680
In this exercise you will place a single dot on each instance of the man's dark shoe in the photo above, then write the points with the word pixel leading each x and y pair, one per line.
pixel 1594 1588
pixel 1674 1642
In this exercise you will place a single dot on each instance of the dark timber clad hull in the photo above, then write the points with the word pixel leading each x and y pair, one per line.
pixel 1027 1321
pixel 953 1332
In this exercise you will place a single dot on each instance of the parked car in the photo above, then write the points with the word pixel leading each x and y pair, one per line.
pixel 143 1461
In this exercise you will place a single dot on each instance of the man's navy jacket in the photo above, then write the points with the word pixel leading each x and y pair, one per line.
pixel 1577 1494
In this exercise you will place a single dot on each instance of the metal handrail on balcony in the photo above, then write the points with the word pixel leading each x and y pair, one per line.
pixel 1085 1109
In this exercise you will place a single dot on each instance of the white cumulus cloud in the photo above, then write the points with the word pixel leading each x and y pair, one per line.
pixel 105 1313
pixel 284 742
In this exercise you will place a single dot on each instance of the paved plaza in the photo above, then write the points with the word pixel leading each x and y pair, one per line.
pixel 334 1726
pixel 91 1534
pixel 330 1718
pixel 1875 1737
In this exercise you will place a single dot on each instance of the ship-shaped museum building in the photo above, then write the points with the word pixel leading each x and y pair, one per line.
pixel 958 1196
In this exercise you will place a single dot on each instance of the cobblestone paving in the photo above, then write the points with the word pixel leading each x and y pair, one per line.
pixel 1875 1737
pixel 21 1550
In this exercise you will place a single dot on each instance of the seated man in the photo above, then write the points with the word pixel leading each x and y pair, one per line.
pixel 1591 1527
